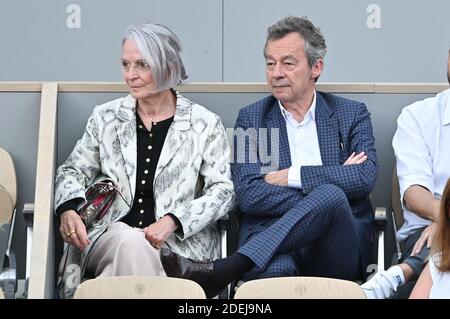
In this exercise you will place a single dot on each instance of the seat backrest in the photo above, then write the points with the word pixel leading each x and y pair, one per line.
pixel 299 288
pixel 8 175
pixel 395 199
pixel 139 287
pixel 2 296
pixel 6 206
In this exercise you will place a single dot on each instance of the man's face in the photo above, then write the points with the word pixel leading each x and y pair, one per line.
pixel 288 74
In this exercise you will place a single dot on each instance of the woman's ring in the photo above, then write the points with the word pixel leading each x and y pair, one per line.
pixel 70 233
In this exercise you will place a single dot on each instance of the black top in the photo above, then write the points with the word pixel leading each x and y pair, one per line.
pixel 149 147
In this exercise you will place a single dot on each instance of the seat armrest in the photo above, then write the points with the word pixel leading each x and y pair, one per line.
pixel 28 213
pixel 398 256
pixel 8 265
pixel 223 223
pixel 380 228
pixel 380 218
pixel 226 224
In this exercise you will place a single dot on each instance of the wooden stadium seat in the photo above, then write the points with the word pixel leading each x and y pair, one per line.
pixel 6 206
pixel 8 198
pixel 8 175
pixel 299 288
pixel 139 287
pixel 8 187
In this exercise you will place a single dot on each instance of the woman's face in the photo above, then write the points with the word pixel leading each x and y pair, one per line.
pixel 136 72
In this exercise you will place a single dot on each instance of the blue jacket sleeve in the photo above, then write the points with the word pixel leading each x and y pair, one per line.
pixel 255 196
pixel 357 181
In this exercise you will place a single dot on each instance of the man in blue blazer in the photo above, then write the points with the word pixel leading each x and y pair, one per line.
pixel 304 167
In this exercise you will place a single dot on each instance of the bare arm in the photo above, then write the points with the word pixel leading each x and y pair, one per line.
pixel 423 286
pixel 420 201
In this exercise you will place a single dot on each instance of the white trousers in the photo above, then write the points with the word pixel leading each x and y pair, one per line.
pixel 123 251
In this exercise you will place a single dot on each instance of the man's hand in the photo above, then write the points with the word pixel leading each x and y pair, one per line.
pixel 279 178
pixel 73 230
pixel 158 232
pixel 425 237
pixel 356 159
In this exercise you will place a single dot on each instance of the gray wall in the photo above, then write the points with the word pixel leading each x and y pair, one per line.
pixel 410 45
pixel 223 39
pixel 39 45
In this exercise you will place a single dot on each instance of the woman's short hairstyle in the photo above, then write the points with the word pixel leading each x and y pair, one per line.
pixel 161 49
pixel 441 240
pixel 315 46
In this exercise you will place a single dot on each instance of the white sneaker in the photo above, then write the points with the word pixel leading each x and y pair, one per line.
pixel 381 285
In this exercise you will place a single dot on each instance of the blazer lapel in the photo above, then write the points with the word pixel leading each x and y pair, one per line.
pixel 126 132
pixel 276 120
pixel 176 134
pixel 327 132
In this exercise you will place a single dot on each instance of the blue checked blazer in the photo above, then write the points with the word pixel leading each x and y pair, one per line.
pixel 343 127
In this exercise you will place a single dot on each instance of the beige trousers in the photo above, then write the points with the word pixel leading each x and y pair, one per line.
pixel 123 251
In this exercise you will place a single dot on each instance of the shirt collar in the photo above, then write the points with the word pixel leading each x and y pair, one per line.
pixel 311 112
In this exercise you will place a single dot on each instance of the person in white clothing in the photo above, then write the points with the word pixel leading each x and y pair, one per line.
pixel 434 282
pixel 422 153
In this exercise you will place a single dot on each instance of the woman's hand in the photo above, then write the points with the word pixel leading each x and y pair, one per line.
pixel 73 230
pixel 158 232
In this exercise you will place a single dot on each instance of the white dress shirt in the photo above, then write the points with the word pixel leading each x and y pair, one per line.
pixel 303 143
pixel 422 149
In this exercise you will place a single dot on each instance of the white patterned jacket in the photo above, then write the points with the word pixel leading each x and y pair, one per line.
pixel 192 179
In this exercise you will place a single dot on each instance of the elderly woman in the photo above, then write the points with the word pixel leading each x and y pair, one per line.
pixel 167 155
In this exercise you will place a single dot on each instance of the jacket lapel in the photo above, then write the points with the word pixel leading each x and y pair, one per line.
pixel 176 134
pixel 327 132
pixel 276 120
pixel 126 132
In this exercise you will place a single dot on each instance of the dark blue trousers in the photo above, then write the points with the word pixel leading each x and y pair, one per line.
pixel 317 237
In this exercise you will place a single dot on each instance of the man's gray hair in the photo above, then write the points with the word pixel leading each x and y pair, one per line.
pixel 315 47
pixel 161 49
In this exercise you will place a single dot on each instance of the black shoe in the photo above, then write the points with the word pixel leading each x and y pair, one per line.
pixel 180 267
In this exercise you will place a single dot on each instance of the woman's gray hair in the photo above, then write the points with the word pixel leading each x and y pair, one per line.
pixel 315 47
pixel 161 49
